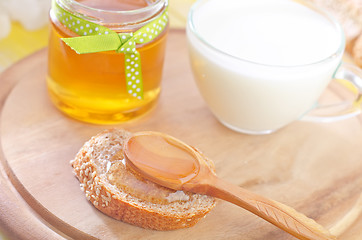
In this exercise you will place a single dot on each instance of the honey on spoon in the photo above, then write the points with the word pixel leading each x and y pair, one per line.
pixel 171 163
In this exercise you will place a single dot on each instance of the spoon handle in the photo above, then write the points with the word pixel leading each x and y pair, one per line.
pixel 282 216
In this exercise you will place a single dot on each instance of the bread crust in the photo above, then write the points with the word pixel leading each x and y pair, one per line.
pixel 122 206
pixel 357 51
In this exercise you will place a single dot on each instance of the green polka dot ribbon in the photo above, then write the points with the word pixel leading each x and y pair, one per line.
pixel 97 38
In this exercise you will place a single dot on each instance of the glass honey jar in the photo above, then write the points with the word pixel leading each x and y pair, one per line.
pixel 106 57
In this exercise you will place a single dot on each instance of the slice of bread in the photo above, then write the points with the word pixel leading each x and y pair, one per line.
pixel 120 193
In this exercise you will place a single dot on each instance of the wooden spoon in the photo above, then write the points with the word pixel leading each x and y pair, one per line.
pixel 171 163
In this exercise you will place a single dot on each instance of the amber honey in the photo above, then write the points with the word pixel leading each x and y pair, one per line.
pixel 125 178
pixel 156 154
pixel 92 87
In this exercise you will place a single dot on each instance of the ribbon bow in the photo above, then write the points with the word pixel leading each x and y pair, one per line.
pixel 97 38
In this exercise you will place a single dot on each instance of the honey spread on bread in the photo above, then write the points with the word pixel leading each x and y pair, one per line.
pixel 119 192
pixel 119 175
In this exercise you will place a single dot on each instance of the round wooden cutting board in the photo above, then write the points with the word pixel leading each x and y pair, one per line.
pixel 315 168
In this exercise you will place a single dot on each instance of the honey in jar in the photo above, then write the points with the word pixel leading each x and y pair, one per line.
pixel 92 87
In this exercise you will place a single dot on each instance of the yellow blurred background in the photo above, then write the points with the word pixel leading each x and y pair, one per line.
pixel 20 43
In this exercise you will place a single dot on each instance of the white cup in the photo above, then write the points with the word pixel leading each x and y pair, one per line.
pixel 262 64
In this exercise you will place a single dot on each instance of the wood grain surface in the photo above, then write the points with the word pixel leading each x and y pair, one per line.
pixel 315 168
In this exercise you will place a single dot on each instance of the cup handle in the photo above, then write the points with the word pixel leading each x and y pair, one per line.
pixel 350 77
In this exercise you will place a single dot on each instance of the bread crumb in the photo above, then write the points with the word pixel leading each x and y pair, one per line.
pixel 177 196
